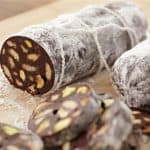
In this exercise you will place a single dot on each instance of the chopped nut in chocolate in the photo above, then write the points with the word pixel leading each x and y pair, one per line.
pixel 69 113
pixel 12 138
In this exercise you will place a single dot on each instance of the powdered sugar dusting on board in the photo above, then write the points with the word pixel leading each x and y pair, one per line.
pixel 15 105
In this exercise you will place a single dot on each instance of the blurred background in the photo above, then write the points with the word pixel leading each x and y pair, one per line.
pixel 9 8
pixel 17 14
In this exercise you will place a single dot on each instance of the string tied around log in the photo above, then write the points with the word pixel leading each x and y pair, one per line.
pixel 131 33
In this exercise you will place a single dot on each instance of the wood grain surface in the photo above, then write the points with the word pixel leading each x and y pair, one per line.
pixel 9 8
pixel 101 82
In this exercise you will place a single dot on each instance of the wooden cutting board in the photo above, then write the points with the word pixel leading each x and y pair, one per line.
pixel 12 25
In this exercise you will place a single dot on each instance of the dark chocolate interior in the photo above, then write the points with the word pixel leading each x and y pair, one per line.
pixel 26 48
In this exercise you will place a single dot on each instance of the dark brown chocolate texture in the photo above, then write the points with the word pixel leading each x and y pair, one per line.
pixel 65 115
pixel 12 138
pixel 141 121
pixel 27 65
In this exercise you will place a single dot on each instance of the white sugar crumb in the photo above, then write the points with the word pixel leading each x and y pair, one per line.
pixel 15 105
pixel 14 114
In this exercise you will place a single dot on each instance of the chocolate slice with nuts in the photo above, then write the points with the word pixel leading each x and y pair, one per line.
pixel 12 138
pixel 141 120
pixel 28 60
pixel 65 115
pixel 139 139
pixel 107 132
pixel 117 128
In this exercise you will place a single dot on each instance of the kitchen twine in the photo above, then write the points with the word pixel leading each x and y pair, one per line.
pixel 132 35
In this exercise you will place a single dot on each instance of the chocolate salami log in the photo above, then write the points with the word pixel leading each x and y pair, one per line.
pixel 44 57
pixel 65 115
pixel 12 138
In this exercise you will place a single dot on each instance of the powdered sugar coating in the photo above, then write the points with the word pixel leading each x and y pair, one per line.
pixel 131 75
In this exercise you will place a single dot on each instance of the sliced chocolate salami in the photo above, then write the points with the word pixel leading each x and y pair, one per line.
pixel 12 138
pixel 43 58
pixel 65 115
pixel 139 139
pixel 108 132
pixel 117 128
pixel 27 65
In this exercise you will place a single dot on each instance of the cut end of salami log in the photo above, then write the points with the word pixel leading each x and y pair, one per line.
pixel 26 65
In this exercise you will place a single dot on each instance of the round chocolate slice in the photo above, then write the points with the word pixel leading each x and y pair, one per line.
pixel 12 138
pixel 26 65
pixel 65 115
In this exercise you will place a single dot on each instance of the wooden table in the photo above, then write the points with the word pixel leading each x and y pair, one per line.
pixel 11 25
pixel 9 8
